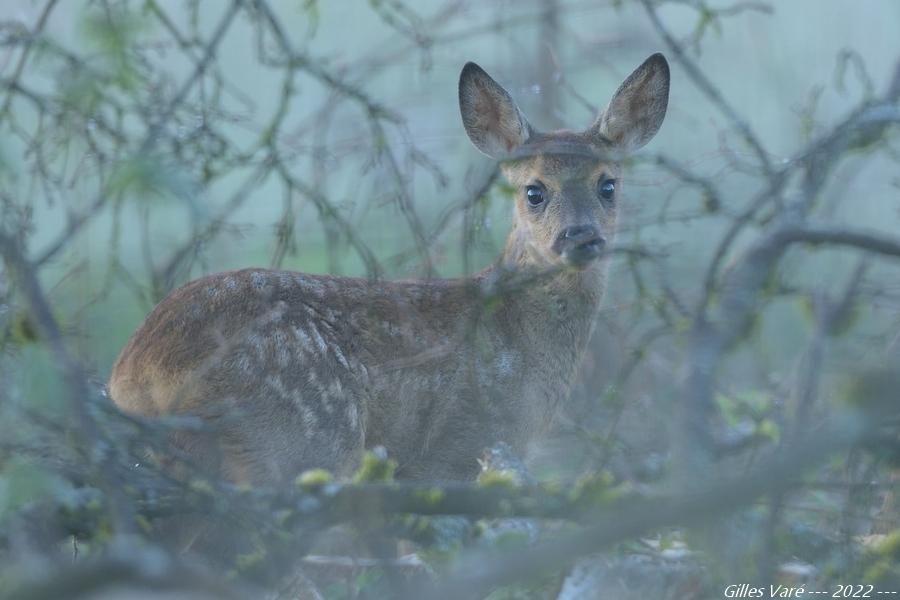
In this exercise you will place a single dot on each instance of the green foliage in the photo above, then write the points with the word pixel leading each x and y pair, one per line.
pixel 23 483
pixel 500 478
pixel 248 561
pixel 768 429
pixel 706 19
pixel 808 120
pixel 734 408
pixel 313 478
pixel 114 33
pixel 375 468
pixel 39 383
pixel 432 496
pixel 370 580
pixel 22 329
pixel 598 489
pixel 883 561
pixel 201 486
pixel 147 176
pixel 81 92
pixel 88 87
pixel 311 9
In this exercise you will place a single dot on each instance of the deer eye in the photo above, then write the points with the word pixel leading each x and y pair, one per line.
pixel 535 195
pixel 606 188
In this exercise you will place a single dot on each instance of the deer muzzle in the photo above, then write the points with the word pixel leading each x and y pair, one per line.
pixel 578 245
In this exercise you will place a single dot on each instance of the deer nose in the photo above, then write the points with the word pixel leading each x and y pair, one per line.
pixel 578 235
pixel 579 243
pixel 579 232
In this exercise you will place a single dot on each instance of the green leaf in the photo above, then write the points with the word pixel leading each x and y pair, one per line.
pixel 148 176
pixel 768 429
pixel 375 468
pixel 313 478
pixel 311 8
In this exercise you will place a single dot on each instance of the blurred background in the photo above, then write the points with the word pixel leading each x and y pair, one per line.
pixel 146 143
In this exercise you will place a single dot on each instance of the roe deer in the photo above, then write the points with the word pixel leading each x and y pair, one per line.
pixel 290 371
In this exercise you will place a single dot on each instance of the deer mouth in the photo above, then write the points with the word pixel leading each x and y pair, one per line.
pixel 580 254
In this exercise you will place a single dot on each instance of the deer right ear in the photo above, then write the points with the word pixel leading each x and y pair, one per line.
pixel 492 120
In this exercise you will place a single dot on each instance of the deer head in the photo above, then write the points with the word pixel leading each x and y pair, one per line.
pixel 567 182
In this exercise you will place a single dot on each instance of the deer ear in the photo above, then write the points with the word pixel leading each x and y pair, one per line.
pixel 492 120
pixel 636 110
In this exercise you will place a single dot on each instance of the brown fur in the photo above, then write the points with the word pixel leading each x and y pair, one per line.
pixel 291 371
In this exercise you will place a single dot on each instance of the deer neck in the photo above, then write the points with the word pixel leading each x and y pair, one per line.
pixel 557 306
pixel 584 287
pixel 544 316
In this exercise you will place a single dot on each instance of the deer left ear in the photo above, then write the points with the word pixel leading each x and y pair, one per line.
pixel 638 107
